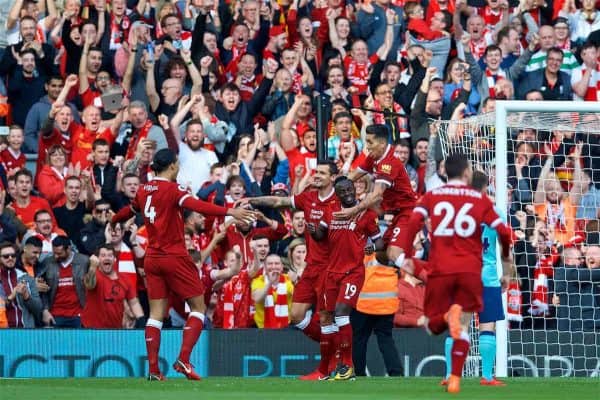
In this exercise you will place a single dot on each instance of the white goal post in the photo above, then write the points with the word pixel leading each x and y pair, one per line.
pixel 503 108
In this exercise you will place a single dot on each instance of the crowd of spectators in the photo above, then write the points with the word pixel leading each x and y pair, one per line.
pixel 95 88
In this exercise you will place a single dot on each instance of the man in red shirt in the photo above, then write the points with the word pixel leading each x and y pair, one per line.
pixel 167 264
pixel 315 204
pixel 63 272
pixel 392 188
pixel 345 274
pixel 26 205
pixel 454 288
pixel 105 292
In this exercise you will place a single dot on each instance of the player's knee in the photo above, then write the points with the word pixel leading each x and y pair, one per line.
pixel 392 252
pixel 325 318
pixel 343 310
pixel 297 314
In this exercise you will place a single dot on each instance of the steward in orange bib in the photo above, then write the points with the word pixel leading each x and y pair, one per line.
pixel 377 304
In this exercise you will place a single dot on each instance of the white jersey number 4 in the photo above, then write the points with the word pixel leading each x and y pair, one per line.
pixel 149 211
pixel 461 223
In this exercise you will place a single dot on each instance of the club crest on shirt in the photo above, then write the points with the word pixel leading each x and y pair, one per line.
pixel 386 168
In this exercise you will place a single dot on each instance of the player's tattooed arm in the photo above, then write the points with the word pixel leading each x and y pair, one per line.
pixel 270 201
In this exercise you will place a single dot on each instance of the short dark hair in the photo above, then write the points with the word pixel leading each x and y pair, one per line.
pixel 480 180
pixel 99 142
pixel 492 47
pixel 233 179
pixel 72 178
pixel 403 143
pixel 105 246
pixel 333 168
pixel 34 241
pixel 379 130
pixel 5 245
pixel 162 160
pixel 456 164
pixel 101 202
pixel 130 175
pixel 555 50
pixel 342 114
pixel 587 45
pixel 54 78
pixel 23 172
pixel 61 241
pixel 40 212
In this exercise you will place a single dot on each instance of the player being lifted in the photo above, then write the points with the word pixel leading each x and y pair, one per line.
pixel 315 204
pixel 345 274
pixel 492 298
pixel 392 188
pixel 454 290
pixel 168 266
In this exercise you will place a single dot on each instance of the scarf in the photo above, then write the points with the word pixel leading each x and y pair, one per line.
pixel 491 81
pixel 593 93
pixel 138 134
pixel 118 31
pixel 478 47
pixel 276 306
pixel 514 301
pixel 126 266
pixel 544 269
pixel 235 302
pixel 402 122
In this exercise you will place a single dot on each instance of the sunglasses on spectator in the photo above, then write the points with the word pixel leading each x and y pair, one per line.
pixel 102 210
pixel 7 256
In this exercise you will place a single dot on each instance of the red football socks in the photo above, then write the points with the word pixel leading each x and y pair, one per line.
pixel 152 334
pixel 328 334
pixel 191 333
pixel 345 342
pixel 460 350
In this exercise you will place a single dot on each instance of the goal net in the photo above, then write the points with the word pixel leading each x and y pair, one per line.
pixel 543 160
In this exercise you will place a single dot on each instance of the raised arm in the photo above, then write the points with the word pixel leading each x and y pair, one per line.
pixel 89 280
pixel 128 76
pixel 578 179
pixel 192 70
pixel 83 71
pixel 153 97
pixel 388 40
pixel 13 14
pixel 540 195
pixel 286 138
pixel 270 201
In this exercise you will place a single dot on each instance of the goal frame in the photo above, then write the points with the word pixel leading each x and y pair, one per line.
pixel 503 107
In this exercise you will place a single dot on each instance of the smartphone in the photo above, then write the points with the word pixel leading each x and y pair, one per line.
pixel 150 50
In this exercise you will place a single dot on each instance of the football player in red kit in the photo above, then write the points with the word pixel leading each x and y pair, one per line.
pixel 454 289
pixel 345 274
pixel 167 264
pixel 315 204
pixel 392 189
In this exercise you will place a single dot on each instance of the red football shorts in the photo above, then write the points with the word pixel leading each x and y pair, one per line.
pixel 442 291
pixel 391 237
pixel 342 287
pixel 177 274
pixel 309 286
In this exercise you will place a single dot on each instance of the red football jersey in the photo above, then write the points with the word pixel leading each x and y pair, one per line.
pixel 12 161
pixel 104 304
pixel 81 143
pixel 315 209
pixel 350 238
pixel 391 172
pixel 457 213
pixel 160 201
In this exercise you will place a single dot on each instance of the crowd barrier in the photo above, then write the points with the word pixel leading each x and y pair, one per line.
pixel 252 353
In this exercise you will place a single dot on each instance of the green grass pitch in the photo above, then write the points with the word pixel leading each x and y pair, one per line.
pixel 279 388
